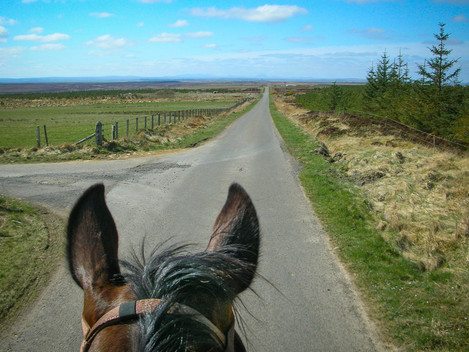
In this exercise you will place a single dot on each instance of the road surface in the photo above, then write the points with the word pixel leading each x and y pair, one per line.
pixel 312 307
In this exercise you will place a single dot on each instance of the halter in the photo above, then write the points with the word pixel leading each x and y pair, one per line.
pixel 132 310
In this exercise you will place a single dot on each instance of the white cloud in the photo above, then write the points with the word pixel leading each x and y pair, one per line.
pixel 46 47
pixel 107 42
pixel 166 38
pixel 3 34
pixel 460 18
pixel 101 14
pixel 199 34
pixel 211 46
pixel 42 38
pixel 36 30
pixel 265 13
pixel 179 23
pixel 8 53
pixel 7 21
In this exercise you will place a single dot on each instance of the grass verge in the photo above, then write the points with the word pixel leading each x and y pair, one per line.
pixel 31 244
pixel 189 133
pixel 415 310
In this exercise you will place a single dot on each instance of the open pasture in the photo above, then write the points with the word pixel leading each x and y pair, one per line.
pixel 70 118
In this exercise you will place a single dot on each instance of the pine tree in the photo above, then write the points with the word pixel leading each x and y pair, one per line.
pixel 335 97
pixel 438 72
pixel 371 84
pixel 383 73
pixel 440 92
pixel 399 71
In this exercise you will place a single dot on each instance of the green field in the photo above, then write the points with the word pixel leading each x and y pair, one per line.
pixel 68 124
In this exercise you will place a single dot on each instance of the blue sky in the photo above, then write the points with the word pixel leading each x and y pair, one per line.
pixel 251 39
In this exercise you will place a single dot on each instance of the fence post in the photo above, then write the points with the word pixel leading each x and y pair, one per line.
pixel 136 124
pixel 164 115
pixel 99 133
pixel 152 122
pixel 127 130
pixel 45 136
pixel 159 119
pixel 145 127
pixel 38 136
pixel 117 130
pixel 113 132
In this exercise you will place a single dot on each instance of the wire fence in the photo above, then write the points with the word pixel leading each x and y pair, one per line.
pixel 390 126
pixel 118 127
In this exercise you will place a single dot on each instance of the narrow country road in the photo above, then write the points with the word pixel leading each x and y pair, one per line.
pixel 311 308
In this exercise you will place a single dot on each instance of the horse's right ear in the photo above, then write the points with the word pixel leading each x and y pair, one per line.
pixel 237 228
pixel 92 240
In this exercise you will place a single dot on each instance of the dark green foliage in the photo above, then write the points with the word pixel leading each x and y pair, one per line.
pixel 435 103
pixel 440 97
pixel 334 98
pixel 438 74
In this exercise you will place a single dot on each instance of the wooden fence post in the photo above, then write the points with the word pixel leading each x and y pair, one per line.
pixel 159 119
pixel 145 127
pixel 45 136
pixel 164 115
pixel 117 130
pixel 99 133
pixel 127 130
pixel 136 124
pixel 152 122
pixel 38 136
pixel 113 132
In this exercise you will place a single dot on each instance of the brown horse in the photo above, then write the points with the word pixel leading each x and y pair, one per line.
pixel 171 301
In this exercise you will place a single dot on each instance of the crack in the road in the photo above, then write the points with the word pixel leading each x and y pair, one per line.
pixel 59 179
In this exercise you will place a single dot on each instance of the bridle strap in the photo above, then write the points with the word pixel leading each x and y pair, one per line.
pixel 120 314
pixel 131 310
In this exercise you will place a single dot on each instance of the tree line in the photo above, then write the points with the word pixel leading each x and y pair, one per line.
pixel 435 102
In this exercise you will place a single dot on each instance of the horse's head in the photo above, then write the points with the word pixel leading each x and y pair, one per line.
pixel 173 301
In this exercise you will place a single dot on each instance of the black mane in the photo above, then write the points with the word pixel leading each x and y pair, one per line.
pixel 202 281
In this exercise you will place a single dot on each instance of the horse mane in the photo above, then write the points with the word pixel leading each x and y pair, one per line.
pixel 199 280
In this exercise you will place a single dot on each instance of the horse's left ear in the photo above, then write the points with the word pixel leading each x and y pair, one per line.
pixel 92 240
pixel 236 229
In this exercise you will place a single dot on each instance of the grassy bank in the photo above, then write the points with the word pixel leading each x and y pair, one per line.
pixel 186 134
pixel 31 244
pixel 415 310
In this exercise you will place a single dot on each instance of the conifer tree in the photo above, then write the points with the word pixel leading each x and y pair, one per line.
pixel 383 73
pixel 440 93
pixel 371 85
pixel 437 70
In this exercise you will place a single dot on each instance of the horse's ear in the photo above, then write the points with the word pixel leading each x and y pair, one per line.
pixel 92 240
pixel 237 229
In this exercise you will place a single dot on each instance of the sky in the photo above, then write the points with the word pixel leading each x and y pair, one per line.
pixel 291 39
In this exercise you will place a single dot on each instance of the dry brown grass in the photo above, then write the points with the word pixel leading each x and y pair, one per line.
pixel 419 195
pixel 129 98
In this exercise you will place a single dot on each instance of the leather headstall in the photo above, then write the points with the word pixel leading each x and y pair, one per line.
pixel 132 310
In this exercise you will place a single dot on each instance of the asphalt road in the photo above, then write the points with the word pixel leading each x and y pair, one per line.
pixel 312 307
